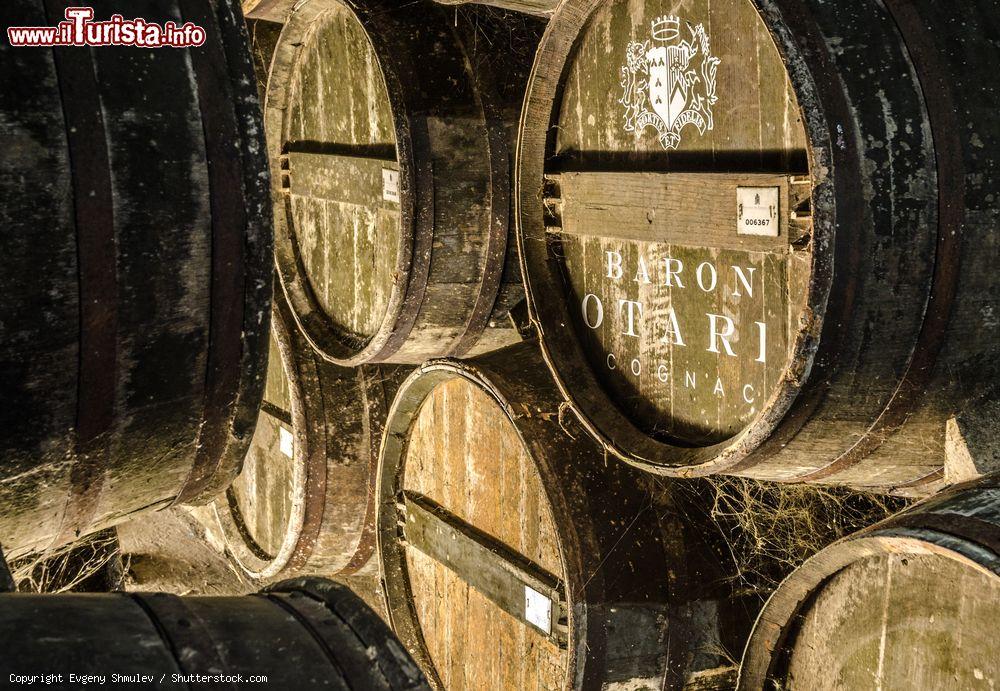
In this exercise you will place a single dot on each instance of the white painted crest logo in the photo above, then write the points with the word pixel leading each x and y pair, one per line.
pixel 669 81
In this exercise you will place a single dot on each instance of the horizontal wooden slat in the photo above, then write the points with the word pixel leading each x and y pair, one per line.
pixel 690 209
pixel 339 178
pixel 487 565
pixel 276 412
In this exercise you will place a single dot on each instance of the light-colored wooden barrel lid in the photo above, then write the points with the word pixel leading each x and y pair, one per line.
pixel 303 502
pixel 910 603
pixel 514 556
pixel 391 174
pixel 675 209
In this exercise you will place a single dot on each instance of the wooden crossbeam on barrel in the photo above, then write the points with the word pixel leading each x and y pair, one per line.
pixel 305 634
pixel 136 264
pixel 752 233
pixel 304 499
pixel 392 180
pixel 909 603
pixel 514 555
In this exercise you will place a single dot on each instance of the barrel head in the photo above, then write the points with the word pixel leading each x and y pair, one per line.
pixel 669 258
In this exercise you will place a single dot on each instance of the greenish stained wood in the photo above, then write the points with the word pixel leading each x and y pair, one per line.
pixel 756 117
pixel 263 487
pixel 623 192
pixel 347 236
pixel 899 622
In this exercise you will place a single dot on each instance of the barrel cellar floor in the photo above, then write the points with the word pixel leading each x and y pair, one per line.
pixel 172 551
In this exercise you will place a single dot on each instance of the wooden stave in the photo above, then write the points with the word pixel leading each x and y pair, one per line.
pixel 961 524
pixel 892 431
pixel 141 408
pixel 337 420
pixel 301 633
pixel 516 381
pixel 429 196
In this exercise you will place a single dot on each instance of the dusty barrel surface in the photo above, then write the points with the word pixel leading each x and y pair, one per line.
pixel 304 499
pixel 302 634
pixel 910 603
pixel 391 177
pixel 137 264
pixel 542 8
pixel 755 235
pixel 514 556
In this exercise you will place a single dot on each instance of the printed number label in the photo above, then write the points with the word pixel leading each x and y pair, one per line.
pixel 285 441
pixel 538 609
pixel 390 185
pixel 757 211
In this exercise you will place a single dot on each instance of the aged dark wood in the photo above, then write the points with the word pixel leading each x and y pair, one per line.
pixel 514 555
pixel 834 349
pixel 304 500
pixel 306 633
pixel 392 181
pixel 909 603
pixel 136 263
pixel 263 42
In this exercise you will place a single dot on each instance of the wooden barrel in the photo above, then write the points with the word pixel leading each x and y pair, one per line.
pixel 514 555
pixel 754 233
pixel 910 603
pixel 301 634
pixel 304 500
pixel 136 264
pixel 391 177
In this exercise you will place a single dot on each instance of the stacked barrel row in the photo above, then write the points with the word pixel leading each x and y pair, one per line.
pixel 137 263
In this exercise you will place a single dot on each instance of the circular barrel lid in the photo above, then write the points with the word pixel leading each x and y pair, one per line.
pixel 341 216
pixel 665 226
pixel 391 182
pixel 481 538
pixel 909 603
pixel 303 501
pixel 262 511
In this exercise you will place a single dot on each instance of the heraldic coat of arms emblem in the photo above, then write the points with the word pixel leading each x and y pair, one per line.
pixel 669 81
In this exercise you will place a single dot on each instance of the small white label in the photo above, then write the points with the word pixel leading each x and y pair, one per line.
pixel 285 441
pixel 757 211
pixel 390 185
pixel 538 609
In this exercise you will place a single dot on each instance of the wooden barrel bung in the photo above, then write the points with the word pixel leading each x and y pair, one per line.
pixel 514 556
pixel 752 232
pixel 305 633
pixel 391 181
pixel 304 500
pixel 910 603
pixel 136 264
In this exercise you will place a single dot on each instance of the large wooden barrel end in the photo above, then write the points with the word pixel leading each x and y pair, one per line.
pixel 909 603
pixel 738 262
pixel 513 553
